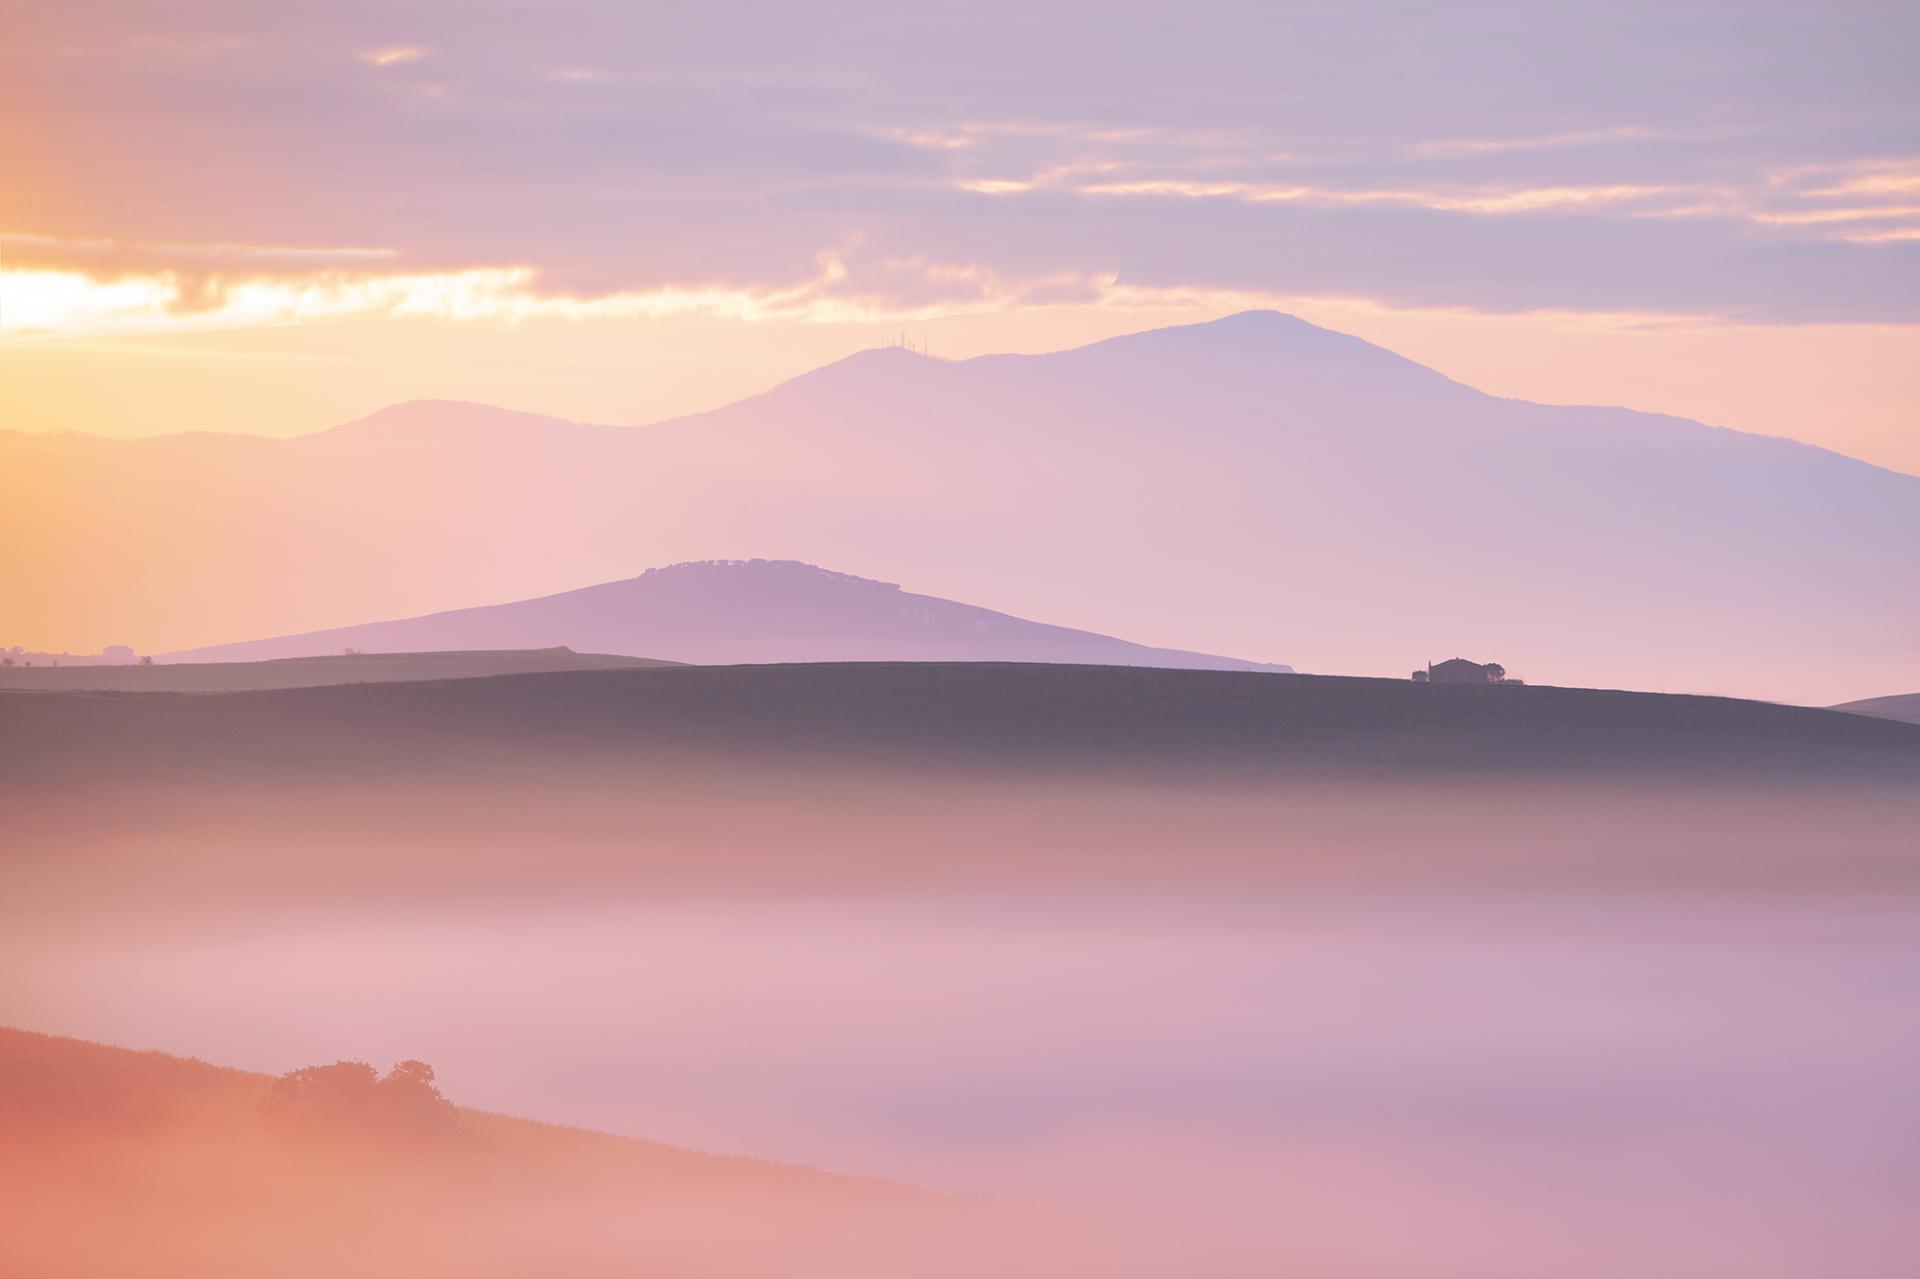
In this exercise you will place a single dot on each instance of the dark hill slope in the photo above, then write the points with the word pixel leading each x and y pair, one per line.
pixel 994 716
pixel 828 777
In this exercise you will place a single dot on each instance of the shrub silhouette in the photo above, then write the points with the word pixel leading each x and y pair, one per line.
pixel 350 1100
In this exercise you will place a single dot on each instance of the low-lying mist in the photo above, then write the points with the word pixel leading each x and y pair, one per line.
pixel 1323 977
pixel 1515 1084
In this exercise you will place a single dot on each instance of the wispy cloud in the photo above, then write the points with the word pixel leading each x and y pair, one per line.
pixel 1885 183
pixel 1871 177
pixel 392 55
pixel 1899 235
pixel 1456 147
pixel 43 248
pixel 929 139
pixel 842 290
pixel 1815 217
pixel 1518 200
pixel 1830 200
pixel 996 186
pixel 845 288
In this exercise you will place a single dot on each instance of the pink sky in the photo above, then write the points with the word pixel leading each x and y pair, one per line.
pixel 269 220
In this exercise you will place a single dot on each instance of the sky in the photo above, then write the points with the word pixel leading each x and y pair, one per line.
pixel 277 217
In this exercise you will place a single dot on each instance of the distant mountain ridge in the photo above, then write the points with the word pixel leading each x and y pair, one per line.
pixel 1255 485
pixel 1901 706
pixel 718 612
pixel 309 672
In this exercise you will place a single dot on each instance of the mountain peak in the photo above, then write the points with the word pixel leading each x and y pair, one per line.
pixel 1269 344
pixel 464 417
pixel 1264 330
pixel 1262 319
pixel 762 568
pixel 732 611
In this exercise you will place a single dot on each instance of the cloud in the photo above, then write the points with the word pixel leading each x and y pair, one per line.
pixel 1814 217
pixel 1673 158
pixel 392 55
pixel 929 138
pixel 1899 235
pixel 67 303
pixel 1871 177
pixel 1448 148
pixel 1830 200
pixel 1878 184
pixel 843 289
pixel 93 252
pixel 1522 200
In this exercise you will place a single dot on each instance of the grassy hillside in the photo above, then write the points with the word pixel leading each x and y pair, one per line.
pixel 306 672
pixel 834 777
pixel 998 717
pixel 115 1162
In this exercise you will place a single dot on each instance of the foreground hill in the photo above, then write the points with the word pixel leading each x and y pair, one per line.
pixel 305 672
pixel 116 1163
pixel 724 612
pixel 998 716
pixel 1254 486
pixel 1902 706
pixel 824 777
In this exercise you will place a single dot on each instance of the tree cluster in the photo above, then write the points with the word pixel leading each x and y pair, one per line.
pixel 350 1099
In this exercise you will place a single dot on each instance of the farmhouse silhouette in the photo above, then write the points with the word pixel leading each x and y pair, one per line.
pixel 1458 670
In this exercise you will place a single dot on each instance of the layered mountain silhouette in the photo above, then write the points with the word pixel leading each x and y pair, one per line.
pixel 720 612
pixel 1255 485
